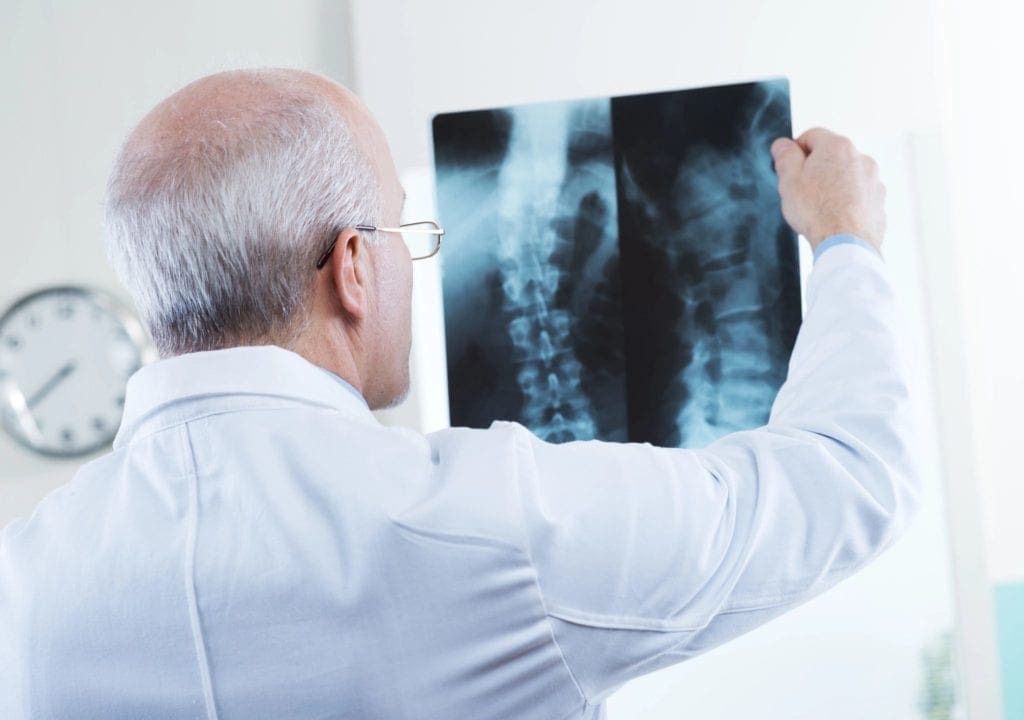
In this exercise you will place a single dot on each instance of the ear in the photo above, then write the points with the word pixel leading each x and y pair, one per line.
pixel 350 272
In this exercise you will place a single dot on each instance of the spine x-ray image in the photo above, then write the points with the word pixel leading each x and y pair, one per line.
pixel 618 269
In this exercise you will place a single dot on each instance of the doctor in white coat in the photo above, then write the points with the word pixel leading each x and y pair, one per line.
pixel 257 545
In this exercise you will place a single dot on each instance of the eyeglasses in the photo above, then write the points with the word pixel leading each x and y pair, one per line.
pixel 423 239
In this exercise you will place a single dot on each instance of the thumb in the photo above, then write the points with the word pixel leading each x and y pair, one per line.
pixel 789 157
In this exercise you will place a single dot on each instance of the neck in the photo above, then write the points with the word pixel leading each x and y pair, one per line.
pixel 331 350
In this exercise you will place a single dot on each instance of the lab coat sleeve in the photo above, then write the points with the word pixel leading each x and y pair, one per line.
pixel 646 556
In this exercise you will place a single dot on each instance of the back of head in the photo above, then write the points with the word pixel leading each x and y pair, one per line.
pixel 222 199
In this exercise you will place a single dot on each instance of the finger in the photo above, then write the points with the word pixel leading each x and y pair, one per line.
pixel 788 156
pixel 815 137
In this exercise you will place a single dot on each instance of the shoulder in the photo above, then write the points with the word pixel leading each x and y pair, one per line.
pixel 474 487
pixel 461 448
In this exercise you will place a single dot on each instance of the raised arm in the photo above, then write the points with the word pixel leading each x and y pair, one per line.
pixel 646 556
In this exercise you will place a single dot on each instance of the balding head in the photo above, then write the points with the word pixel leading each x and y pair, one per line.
pixel 227 108
pixel 225 195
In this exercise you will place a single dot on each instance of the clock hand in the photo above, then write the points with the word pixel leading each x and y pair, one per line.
pixel 17 406
pixel 50 384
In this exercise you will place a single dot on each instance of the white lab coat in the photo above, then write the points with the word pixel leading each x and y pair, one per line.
pixel 257 545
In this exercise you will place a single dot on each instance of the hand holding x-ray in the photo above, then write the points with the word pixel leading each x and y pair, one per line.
pixel 827 187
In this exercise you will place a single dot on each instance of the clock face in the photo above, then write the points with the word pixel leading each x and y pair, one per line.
pixel 66 354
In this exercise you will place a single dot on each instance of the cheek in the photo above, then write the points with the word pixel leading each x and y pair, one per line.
pixel 400 294
pixel 407 301
pixel 408 283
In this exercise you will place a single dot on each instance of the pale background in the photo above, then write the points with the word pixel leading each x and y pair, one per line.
pixel 929 83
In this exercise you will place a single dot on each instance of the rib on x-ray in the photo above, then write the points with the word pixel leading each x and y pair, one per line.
pixel 618 269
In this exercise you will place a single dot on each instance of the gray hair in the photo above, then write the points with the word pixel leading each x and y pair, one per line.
pixel 216 230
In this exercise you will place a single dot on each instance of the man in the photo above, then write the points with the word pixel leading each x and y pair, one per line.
pixel 258 546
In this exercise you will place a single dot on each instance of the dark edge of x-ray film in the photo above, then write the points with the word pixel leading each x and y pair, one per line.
pixel 618 269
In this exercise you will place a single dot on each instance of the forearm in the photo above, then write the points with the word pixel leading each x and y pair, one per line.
pixel 830 481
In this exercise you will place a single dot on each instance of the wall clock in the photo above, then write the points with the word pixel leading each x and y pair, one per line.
pixel 66 354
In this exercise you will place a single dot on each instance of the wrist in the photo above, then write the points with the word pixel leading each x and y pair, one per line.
pixel 844 239
pixel 850 231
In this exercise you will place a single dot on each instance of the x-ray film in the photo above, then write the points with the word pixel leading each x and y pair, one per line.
pixel 618 268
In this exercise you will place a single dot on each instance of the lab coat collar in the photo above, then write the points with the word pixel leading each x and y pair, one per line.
pixel 266 370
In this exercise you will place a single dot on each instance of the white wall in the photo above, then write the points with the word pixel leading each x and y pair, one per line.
pixel 983 106
pixel 75 77
pixel 852 65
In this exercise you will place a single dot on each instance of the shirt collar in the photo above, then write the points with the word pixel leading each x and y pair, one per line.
pixel 267 370
pixel 347 385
